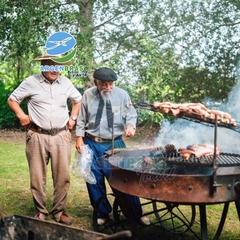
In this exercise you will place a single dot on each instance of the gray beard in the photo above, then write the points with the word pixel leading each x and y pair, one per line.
pixel 106 95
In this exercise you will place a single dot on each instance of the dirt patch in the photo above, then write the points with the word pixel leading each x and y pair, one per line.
pixel 14 135
pixel 18 136
pixel 143 138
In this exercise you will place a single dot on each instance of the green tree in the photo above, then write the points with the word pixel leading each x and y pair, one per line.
pixel 158 48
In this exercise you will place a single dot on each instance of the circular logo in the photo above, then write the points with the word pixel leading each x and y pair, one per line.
pixel 60 43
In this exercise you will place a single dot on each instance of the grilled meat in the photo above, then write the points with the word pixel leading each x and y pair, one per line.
pixel 199 150
pixel 204 150
pixel 194 110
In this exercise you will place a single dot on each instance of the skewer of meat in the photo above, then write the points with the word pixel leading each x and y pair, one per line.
pixel 195 111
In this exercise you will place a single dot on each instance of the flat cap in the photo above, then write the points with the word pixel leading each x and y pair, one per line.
pixel 105 74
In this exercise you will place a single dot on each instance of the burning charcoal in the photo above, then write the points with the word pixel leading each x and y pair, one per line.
pixel 157 151
pixel 170 149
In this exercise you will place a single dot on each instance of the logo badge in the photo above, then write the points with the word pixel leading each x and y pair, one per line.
pixel 60 43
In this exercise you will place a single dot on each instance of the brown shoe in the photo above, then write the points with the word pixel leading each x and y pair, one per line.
pixel 37 216
pixel 64 219
pixel 40 216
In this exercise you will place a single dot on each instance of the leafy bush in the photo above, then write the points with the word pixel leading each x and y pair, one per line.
pixel 7 117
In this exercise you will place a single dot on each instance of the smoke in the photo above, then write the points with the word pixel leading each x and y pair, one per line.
pixel 183 132
pixel 233 104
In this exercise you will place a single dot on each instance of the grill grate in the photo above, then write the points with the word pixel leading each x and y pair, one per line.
pixel 211 124
pixel 223 160
pixel 192 118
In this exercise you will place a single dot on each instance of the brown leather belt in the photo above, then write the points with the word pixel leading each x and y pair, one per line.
pixel 52 132
pixel 100 140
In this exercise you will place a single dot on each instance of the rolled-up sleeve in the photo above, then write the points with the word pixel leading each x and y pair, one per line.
pixel 21 92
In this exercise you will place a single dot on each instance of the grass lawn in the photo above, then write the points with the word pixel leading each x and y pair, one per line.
pixel 15 198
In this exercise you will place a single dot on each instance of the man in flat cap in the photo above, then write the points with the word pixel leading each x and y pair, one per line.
pixel 106 113
pixel 48 136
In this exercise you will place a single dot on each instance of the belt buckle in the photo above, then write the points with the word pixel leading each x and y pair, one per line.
pixel 39 130
pixel 54 131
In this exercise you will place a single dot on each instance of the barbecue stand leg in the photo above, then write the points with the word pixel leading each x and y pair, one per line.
pixel 237 201
pixel 223 218
pixel 115 222
pixel 110 224
pixel 237 204
pixel 121 220
pixel 173 217
pixel 203 220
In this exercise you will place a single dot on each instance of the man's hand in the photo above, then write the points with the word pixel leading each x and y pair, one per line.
pixel 71 123
pixel 24 120
pixel 79 143
pixel 129 130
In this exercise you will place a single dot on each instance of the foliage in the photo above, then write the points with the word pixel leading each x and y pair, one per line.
pixel 195 84
pixel 203 34
pixel 172 50
pixel 7 117
pixel 20 34
pixel 9 81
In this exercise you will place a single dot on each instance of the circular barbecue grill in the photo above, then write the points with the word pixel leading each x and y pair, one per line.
pixel 193 182
pixel 176 181
pixel 179 183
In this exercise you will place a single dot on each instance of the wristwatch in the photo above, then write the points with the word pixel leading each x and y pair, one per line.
pixel 74 118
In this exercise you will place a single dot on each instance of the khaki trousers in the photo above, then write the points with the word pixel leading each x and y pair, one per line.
pixel 40 149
